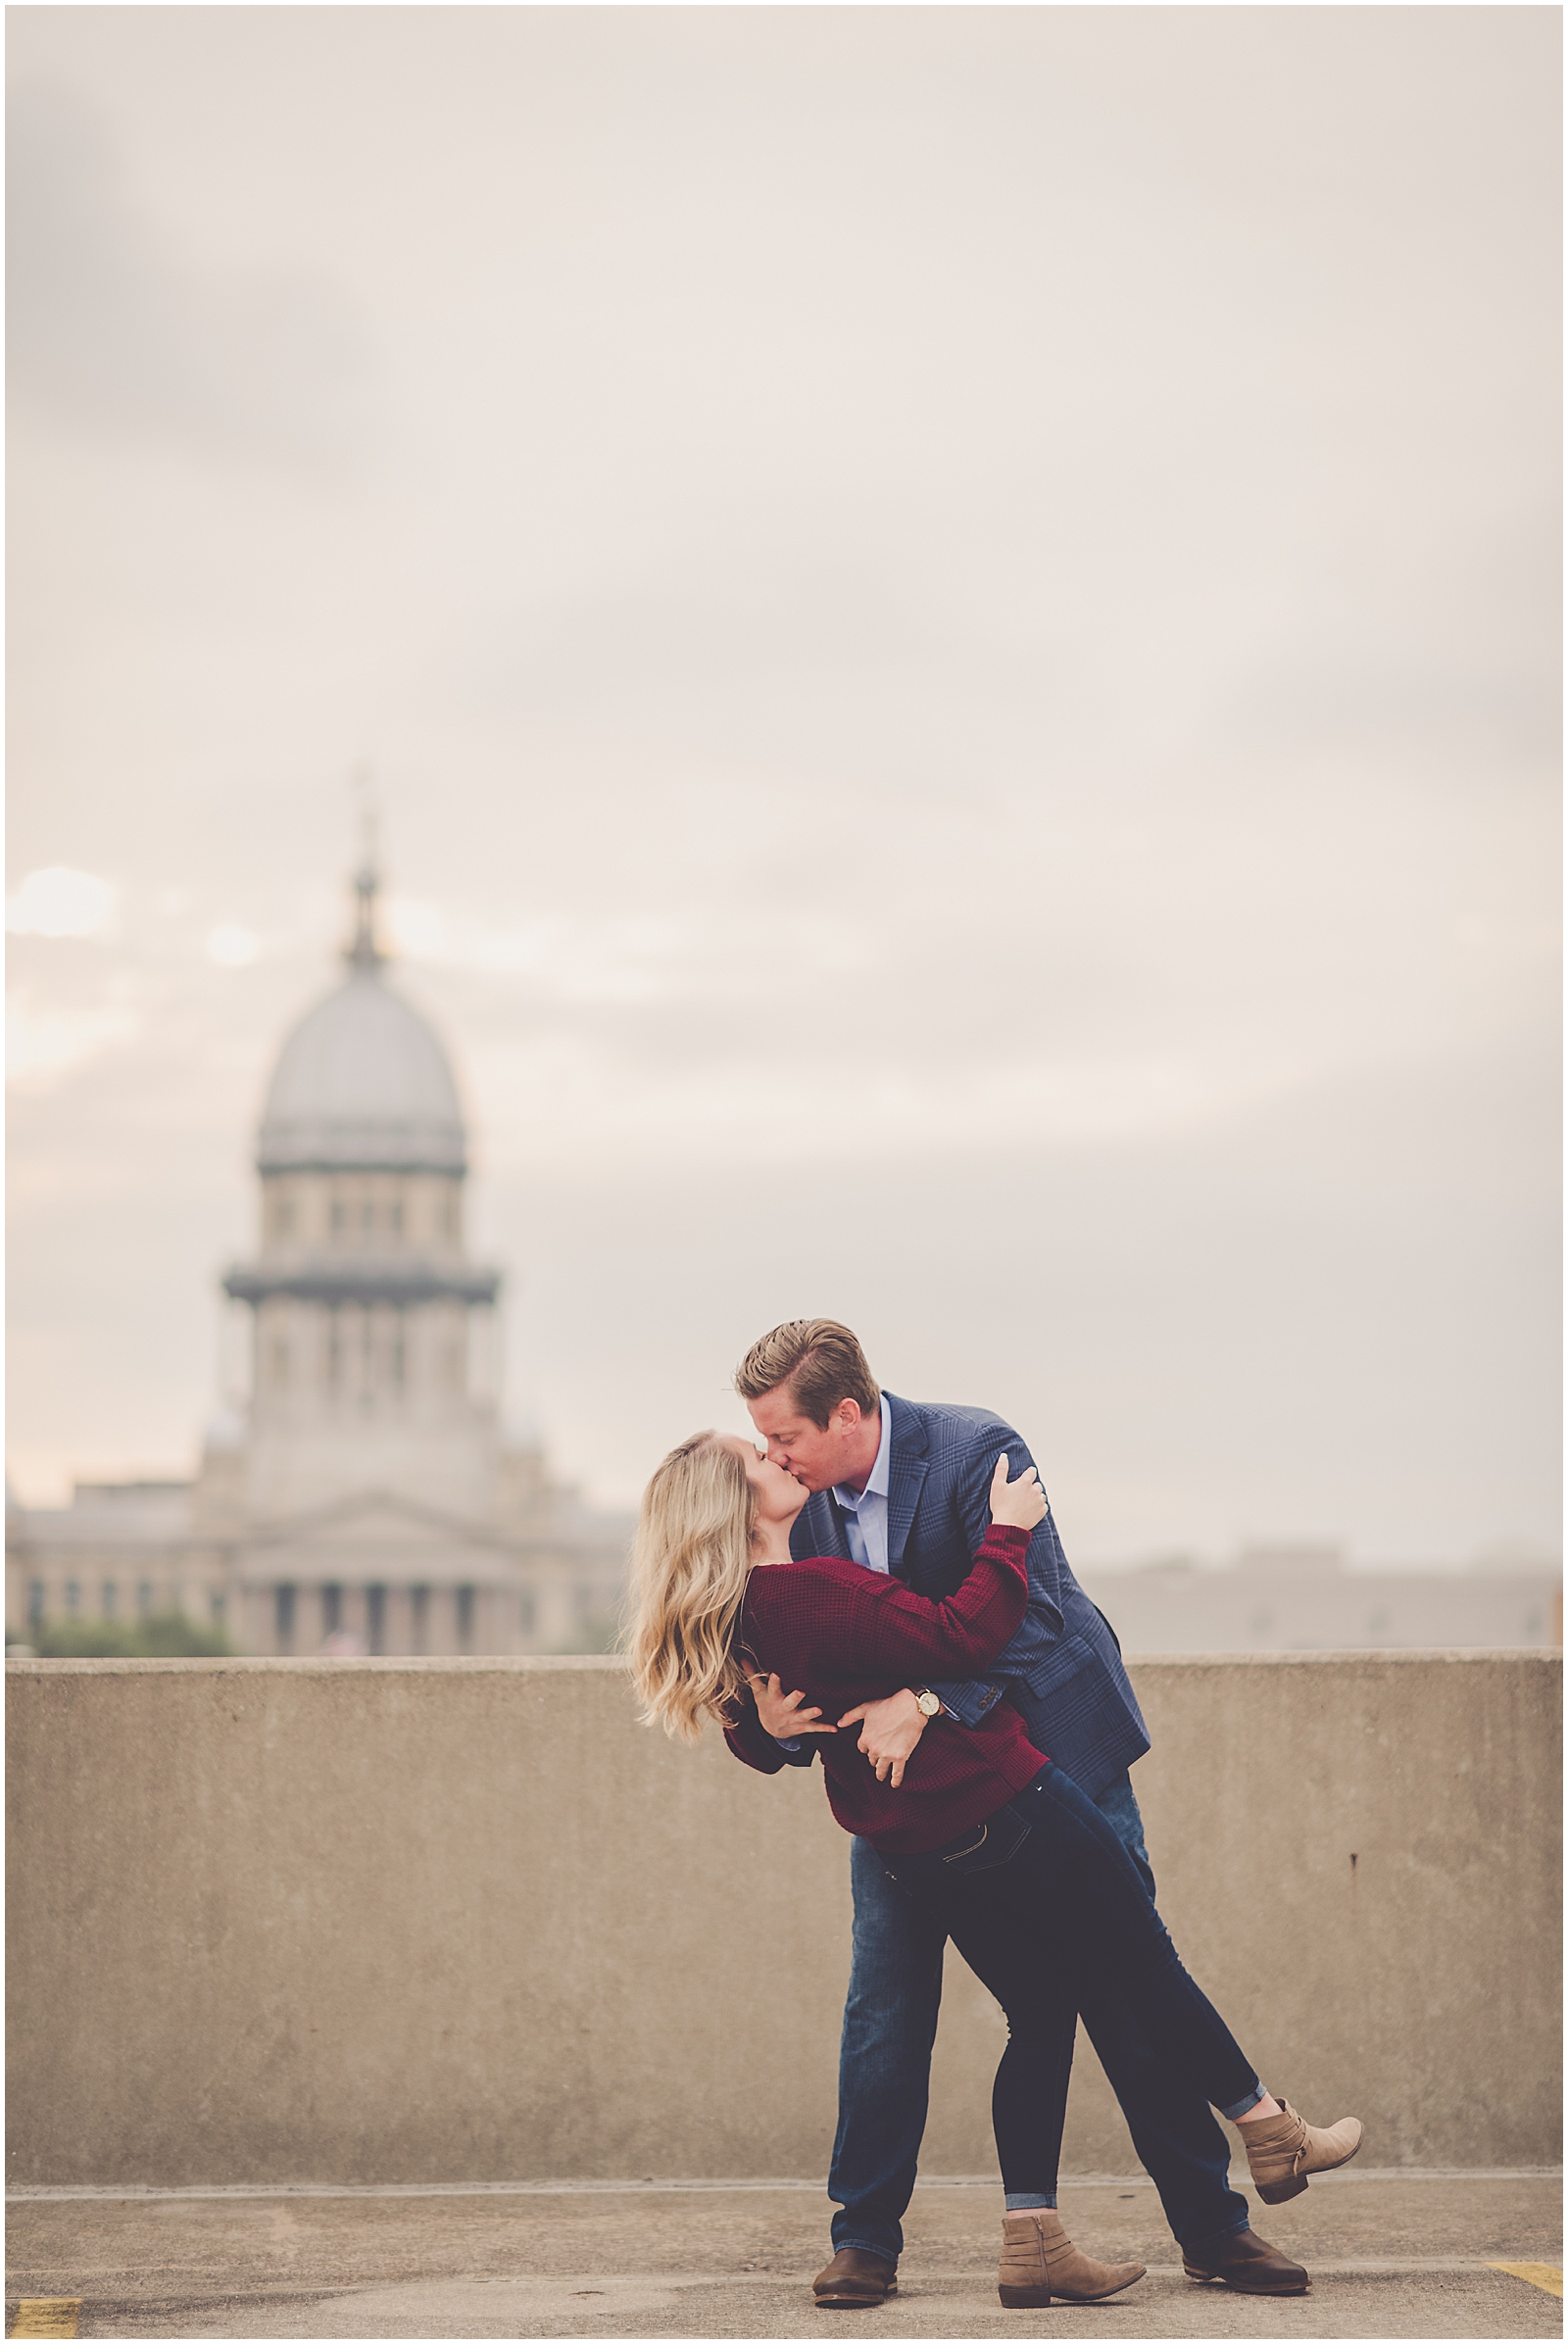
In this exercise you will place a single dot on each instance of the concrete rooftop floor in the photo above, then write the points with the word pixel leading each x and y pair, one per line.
pixel 1391 2255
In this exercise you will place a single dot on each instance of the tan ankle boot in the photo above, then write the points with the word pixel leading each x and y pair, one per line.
pixel 1040 2261
pixel 1282 2150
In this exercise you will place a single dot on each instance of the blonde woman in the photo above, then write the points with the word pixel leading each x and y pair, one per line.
pixel 1021 1869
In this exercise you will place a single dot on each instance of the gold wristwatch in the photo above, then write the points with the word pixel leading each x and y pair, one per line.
pixel 927 1702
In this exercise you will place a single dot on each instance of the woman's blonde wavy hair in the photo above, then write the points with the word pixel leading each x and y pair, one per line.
pixel 689 1567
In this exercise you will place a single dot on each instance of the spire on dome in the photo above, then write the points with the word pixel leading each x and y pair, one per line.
pixel 364 954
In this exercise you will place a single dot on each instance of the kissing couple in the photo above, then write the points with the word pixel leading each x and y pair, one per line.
pixel 894 1565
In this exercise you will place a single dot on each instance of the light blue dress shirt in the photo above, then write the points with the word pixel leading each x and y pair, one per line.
pixel 865 1511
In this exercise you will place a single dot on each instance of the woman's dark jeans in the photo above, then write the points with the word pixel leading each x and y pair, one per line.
pixel 1045 1886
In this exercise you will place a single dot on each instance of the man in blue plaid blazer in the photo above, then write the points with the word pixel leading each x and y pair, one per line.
pixel 901 1486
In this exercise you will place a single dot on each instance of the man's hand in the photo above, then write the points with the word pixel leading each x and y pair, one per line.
pixel 781 1713
pixel 890 1731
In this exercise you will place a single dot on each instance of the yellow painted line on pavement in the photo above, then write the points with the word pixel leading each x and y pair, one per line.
pixel 1545 2276
pixel 47 2315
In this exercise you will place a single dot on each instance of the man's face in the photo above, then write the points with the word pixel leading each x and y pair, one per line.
pixel 817 1455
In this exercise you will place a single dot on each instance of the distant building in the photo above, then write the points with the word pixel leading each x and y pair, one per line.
pixel 364 1497
pixel 1308 1600
pixel 119 1551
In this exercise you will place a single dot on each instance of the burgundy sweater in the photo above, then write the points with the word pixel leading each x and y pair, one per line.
pixel 842 1635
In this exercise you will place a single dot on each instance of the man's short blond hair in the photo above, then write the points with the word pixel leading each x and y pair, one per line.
pixel 821 1361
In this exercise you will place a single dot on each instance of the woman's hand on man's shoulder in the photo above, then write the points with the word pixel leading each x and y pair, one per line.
pixel 1020 1504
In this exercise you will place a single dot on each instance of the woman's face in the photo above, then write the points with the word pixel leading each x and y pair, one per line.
pixel 779 1496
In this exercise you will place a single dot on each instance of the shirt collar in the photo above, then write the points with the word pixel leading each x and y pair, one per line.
pixel 878 1479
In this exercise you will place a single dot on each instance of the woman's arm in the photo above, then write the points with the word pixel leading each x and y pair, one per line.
pixel 851 1621
pixel 896 1633
pixel 841 1620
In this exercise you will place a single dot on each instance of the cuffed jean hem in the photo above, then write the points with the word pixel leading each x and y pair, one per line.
pixel 1028 2201
pixel 1240 2107
pixel 1195 2246
pixel 870 2246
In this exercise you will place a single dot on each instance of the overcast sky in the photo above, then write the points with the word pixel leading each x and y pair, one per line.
pixel 955 615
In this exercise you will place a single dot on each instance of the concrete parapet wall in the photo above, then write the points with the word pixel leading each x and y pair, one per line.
pixel 447 1920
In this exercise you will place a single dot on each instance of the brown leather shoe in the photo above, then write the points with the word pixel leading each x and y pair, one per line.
pixel 853 2281
pixel 1282 2150
pixel 1040 2265
pixel 1247 2263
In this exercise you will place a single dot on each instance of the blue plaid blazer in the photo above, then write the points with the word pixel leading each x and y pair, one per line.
pixel 1062 1668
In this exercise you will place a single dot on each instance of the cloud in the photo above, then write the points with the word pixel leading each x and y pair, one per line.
pixel 60 901
pixel 231 947
pixel 112 332
pixel 717 960
pixel 43 1044
pixel 580 1104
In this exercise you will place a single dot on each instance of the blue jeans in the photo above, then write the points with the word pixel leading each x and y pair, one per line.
pixel 890 2024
